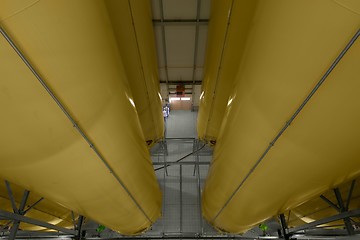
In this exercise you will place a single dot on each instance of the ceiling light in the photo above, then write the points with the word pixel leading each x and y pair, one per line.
pixel 174 99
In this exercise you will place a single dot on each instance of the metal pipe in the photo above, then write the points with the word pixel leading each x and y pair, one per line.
pixel 11 196
pixel 180 22
pixel 198 7
pixel 181 163
pixel 194 149
pixel 350 195
pixel 189 236
pixel 182 158
pixel 72 120
pixel 36 222
pixel 181 200
pixel 347 220
pixel 185 82
pixel 33 205
pixel 284 226
pixel 16 224
pixel 23 202
pixel 340 216
pixel 164 189
pixel 165 162
pixel 73 219
pixel 79 226
pixel 339 199
pixel 199 189
pixel 164 46
pixel 180 138
pixel 287 124
pixel 333 205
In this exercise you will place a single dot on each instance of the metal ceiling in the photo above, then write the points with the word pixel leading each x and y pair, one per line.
pixel 181 33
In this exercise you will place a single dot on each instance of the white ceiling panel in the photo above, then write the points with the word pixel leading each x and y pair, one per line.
pixel 179 9
pixel 180 45
pixel 202 40
pixel 205 9
pixel 177 74
pixel 155 4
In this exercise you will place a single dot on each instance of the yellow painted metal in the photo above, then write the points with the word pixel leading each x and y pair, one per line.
pixel 229 25
pixel 317 209
pixel 73 46
pixel 45 210
pixel 289 47
pixel 136 41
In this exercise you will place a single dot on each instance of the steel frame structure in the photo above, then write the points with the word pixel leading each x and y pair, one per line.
pixel 20 210
pixel 342 207
pixel 18 216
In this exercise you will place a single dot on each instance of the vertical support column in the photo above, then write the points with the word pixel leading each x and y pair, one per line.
pixel 181 201
pixel 164 48
pixel 11 196
pixel 79 227
pixel 350 195
pixel 194 149
pixel 284 227
pixel 19 211
pixel 347 220
pixel 199 187
pixel 198 9
pixel 164 190
pixel 165 153
pixel 73 219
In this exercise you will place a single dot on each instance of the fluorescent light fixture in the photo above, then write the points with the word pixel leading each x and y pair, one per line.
pixel 175 99
pixel 185 99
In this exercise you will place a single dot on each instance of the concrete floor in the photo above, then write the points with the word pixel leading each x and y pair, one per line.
pixel 181 124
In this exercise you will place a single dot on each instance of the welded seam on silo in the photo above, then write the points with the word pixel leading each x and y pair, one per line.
pixel 287 124
pixel 68 115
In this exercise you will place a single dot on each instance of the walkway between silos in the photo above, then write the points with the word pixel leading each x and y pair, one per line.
pixel 181 181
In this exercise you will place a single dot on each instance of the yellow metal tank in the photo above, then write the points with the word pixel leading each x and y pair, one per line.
pixel 257 170
pixel 229 25
pixel 89 154
pixel 317 208
pixel 136 42
pixel 45 210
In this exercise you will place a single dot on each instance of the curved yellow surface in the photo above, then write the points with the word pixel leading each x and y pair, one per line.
pixel 45 210
pixel 289 47
pixel 137 47
pixel 72 45
pixel 317 209
pixel 229 25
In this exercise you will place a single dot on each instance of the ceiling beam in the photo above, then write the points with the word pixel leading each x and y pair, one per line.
pixel 174 93
pixel 188 82
pixel 181 22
